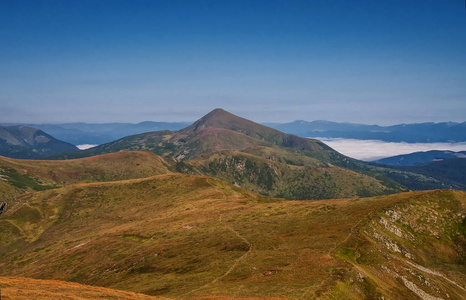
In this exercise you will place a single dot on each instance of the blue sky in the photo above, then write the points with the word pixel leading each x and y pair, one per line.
pixel 365 61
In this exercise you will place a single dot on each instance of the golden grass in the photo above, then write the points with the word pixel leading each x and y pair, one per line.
pixel 184 236
pixel 106 167
pixel 18 288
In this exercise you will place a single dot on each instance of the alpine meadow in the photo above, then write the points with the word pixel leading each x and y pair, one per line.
pixel 243 150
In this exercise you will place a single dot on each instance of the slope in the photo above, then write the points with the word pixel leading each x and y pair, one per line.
pixel 19 176
pixel 450 171
pixel 26 288
pixel 413 249
pixel 277 173
pixel 445 174
pixel 178 235
pixel 30 143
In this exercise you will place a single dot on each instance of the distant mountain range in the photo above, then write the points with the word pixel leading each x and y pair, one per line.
pixel 410 133
pixel 419 158
pixel 30 143
pixel 96 134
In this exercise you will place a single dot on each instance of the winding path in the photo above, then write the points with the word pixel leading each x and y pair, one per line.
pixel 250 245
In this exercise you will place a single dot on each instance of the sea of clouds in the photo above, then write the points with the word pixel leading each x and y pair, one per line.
pixel 85 146
pixel 369 150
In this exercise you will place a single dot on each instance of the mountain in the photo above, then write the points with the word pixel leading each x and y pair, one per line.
pixel 30 143
pixel 267 161
pixel 216 131
pixel 96 134
pixel 277 164
pixel 411 133
pixel 185 236
pixel 419 158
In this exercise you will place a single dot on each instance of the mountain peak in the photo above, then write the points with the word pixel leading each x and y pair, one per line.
pixel 217 115
pixel 219 118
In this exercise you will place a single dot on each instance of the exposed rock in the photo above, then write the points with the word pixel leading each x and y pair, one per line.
pixel 414 288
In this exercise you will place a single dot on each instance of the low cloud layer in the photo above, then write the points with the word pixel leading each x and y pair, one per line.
pixel 369 150
pixel 85 146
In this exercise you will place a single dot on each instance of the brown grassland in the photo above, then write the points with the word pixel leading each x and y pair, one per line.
pixel 18 288
pixel 185 236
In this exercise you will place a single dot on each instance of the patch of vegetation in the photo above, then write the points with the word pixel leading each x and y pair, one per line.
pixel 23 181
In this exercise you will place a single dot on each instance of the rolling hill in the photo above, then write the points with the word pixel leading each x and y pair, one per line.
pixel 19 176
pixel 30 143
pixel 185 236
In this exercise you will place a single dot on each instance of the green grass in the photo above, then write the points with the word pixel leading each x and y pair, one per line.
pixel 23 181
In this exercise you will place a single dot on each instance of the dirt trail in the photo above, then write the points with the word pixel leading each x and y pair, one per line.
pixel 238 260
pixel 329 253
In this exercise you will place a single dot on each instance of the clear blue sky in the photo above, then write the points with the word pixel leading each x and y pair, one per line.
pixel 365 61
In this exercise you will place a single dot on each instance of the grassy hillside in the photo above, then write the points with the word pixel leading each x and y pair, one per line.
pixel 19 176
pixel 276 173
pixel 415 245
pixel 179 235
pixel 18 288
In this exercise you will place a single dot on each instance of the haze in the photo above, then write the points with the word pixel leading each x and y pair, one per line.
pixel 379 62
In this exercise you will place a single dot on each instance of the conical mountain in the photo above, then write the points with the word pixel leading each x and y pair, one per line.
pixel 256 157
pixel 219 118
pixel 218 130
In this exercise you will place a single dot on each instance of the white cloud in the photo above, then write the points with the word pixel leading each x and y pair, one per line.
pixel 85 146
pixel 369 150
